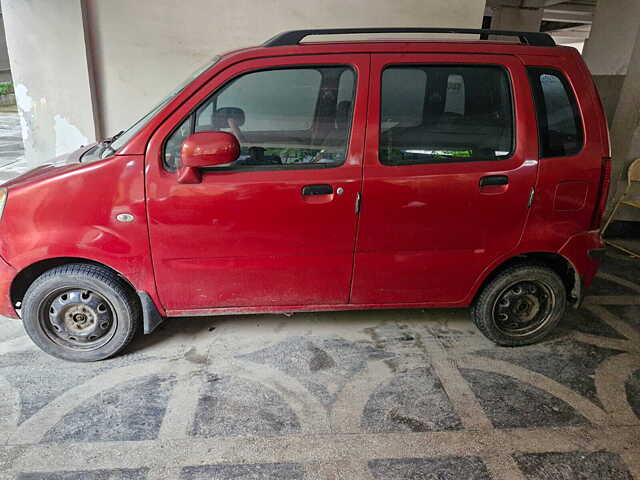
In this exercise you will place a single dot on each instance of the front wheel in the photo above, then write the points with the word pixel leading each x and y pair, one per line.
pixel 80 312
pixel 521 305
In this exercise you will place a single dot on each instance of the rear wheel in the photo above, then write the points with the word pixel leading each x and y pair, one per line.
pixel 521 305
pixel 80 312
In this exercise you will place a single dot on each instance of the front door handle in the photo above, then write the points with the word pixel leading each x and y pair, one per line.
pixel 323 189
pixel 494 180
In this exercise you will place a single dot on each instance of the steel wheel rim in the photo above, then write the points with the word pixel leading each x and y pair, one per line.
pixel 523 308
pixel 77 318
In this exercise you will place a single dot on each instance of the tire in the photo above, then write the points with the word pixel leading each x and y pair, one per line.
pixel 80 312
pixel 521 305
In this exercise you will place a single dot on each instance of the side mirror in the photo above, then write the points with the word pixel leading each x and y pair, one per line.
pixel 206 149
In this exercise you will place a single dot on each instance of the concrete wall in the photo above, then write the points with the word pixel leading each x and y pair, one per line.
pixel 138 51
pixel 144 48
pixel 514 18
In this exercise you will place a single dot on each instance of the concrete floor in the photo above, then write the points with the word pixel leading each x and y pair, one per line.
pixel 12 160
pixel 402 394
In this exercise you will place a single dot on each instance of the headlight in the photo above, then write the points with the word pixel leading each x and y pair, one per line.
pixel 3 199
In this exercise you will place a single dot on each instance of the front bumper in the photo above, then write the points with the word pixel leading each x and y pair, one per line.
pixel 7 274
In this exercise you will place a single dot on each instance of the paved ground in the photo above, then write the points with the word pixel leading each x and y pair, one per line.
pixel 359 395
pixel 11 147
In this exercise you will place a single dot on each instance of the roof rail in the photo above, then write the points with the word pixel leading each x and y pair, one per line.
pixel 294 37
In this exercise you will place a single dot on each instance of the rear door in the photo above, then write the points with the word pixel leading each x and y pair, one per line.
pixel 574 146
pixel 276 228
pixel 450 166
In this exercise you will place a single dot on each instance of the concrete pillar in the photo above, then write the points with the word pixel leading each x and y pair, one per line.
pixel 611 41
pixel 515 18
pixel 48 54
pixel 608 49
pixel 612 53
pixel 625 128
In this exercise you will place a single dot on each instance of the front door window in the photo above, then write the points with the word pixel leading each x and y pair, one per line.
pixel 283 118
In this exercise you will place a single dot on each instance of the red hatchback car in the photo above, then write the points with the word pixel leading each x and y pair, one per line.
pixel 323 176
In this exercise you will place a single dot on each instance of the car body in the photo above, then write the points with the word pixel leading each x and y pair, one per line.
pixel 397 211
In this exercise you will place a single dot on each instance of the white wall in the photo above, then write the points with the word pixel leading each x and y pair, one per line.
pixel 144 48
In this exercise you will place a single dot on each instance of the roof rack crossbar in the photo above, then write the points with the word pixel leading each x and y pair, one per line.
pixel 294 37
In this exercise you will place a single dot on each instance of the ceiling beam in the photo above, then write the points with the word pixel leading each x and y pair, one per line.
pixel 563 5
pixel 569 34
pixel 570 7
pixel 569 13
pixel 566 17
pixel 516 3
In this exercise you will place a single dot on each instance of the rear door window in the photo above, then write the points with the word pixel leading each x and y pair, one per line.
pixel 445 113
pixel 559 123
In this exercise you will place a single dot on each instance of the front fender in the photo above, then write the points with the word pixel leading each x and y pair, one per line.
pixel 73 214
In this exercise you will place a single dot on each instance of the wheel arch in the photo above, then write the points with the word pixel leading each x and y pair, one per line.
pixel 23 280
pixel 555 261
pixel 151 316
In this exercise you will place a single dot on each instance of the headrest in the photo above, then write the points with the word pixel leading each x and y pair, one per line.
pixel 219 117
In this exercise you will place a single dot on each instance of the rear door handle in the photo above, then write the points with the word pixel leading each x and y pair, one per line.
pixel 494 180
pixel 317 190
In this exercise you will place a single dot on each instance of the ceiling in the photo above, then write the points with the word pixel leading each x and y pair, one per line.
pixel 569 22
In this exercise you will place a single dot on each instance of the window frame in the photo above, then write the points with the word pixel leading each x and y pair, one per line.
pixel 512 101
pixel 191 114
pixel 537 97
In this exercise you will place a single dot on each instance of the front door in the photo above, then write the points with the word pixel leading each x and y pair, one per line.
pixel 276 228
pixel 450 165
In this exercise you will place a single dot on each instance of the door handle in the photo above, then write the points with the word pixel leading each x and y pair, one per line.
pixel 324 189
pixel 494 180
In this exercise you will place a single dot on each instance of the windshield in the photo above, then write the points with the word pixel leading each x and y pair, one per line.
pixel 122 138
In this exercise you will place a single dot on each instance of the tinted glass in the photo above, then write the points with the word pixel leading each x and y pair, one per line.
pixel 559 124
pixel 285 118
pixel 445 113
pixel 403 91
